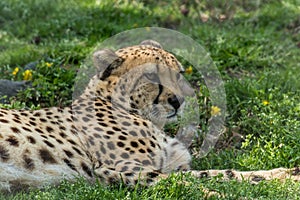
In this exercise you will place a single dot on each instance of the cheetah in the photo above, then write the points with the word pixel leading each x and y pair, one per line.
pixel 112 132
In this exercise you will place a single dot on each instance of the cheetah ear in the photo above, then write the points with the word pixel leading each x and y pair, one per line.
pixel 151 43
pixel 106 61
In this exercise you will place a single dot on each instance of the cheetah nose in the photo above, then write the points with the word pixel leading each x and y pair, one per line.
pixel 175 102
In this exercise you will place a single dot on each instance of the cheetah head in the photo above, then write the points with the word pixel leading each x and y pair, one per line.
pixel 143 79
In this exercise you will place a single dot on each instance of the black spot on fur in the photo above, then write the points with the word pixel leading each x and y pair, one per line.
pixel 129 174
pixel 112 122
pixel 142 142
pixel 28 163
pixel 69 153
pixel 13 141
pixel 32 123
pixel 37 114
pixel 203 175
pixel 257 178
pixel 86 169
pixel 17 121
pixel 229 174
pixel 31 139
pixel 43 120
pixel 26 129
pixel 112 180
pixel 106 172
pixel 49 129
pixel 98 129
pixel 149 150
pixel 77 150
pixel 125 155
pixel 68 162
pixel 126 123
pixel 72 142
pixel 102 124
pixel 133 133
pixel 63 135
pixel 173 144
pixel 85 119
pixel 103 150
pixel 59 141
pixel 38 130
pixel 143 133
pixel 120 144
pixel 111 145
pixel 46 156
pixel 112 156
pixel 3 120
pixel 121 137
pixel 137 169
pixel 296 171
pixel 152 144
pixel 49 144
pixel 146 162
pixel 149 180
pixel 142 151
pixel 99 105
pixel 4 155
pixel 134 144
pixel 110 132
pixel 125 168
pixel 97 135
pixel 116 129
pixel 152 174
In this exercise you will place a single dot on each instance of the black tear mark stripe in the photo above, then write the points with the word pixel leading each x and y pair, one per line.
pixel 160 90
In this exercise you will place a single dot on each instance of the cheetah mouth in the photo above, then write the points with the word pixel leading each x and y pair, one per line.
pixel 172 114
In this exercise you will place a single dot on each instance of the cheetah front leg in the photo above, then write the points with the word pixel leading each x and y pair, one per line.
pixel 129 173
pixel 252 176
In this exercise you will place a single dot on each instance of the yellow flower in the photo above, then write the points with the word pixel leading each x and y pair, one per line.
pixel 27 75
pixel 189 70
pixel 265 102
pixel 215 110
pixel 16 70
pixel 49 64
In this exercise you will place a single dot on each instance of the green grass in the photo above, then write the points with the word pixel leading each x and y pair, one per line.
pixel 175 187
pixel 256 50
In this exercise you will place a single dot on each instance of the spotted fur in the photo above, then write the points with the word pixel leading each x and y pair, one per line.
pixel 110 132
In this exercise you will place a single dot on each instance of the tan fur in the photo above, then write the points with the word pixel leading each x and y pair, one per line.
pixel 108 133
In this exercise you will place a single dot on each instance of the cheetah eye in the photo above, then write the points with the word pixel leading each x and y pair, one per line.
pixel 152 77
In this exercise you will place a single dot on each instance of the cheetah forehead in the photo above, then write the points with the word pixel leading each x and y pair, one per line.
pixel 116 64
pixel 141 54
